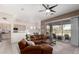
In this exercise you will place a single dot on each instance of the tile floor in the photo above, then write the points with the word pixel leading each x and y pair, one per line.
pixel 5 47
pixel 65 48
pixel 60 48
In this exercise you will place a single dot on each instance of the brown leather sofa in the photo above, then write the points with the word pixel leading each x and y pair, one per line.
pixel 37 49
pixel 38 39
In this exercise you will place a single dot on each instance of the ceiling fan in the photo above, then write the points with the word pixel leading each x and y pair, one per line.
pixel 48 8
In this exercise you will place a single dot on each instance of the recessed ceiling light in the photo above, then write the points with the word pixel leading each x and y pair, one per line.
pixel 22 9
pixel 4 18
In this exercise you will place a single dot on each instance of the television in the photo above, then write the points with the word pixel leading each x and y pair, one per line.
pixel 15 28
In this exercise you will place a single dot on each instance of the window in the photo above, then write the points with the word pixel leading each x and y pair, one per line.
pixel 48 28
pixel 57 29
pixel 67 29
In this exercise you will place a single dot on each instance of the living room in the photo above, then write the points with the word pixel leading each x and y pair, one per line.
pixel 34 24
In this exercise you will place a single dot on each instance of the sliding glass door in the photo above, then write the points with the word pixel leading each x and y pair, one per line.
pixel 57 29
pixel 67 29
pixel 63 31
pixel 48 29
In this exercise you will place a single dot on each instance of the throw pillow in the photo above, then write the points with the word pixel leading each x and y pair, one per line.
pixel 31 43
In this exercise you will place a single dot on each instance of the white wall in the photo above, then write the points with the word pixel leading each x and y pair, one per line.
pixel 16 37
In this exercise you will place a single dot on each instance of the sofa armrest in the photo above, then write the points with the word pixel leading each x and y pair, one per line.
pixel 31 50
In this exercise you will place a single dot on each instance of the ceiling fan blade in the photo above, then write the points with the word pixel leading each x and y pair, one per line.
pixel 41 10
pixel 53 6
pixel 44 6
pixel 52 11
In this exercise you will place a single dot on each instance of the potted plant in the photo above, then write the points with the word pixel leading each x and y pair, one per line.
pixel 27 37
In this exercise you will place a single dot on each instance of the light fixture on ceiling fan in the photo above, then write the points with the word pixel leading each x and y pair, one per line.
pixel 48 8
